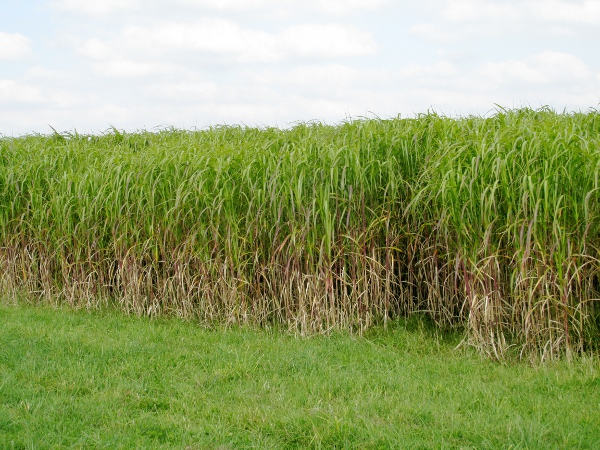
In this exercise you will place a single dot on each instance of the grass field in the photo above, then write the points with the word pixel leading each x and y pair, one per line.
pixel 103 380
pixel 489 225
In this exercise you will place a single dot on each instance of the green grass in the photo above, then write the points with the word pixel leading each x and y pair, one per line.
pixel 489 225
pixel 102 380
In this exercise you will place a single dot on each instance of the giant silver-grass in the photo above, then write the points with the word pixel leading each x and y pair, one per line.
pixel 485 224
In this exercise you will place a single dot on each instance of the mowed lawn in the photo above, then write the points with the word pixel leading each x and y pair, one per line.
pixel 103 380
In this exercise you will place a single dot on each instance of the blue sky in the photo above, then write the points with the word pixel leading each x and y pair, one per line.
pixel 143 64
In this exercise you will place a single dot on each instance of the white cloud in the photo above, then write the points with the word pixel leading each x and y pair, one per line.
pixel 560 66
pixel 106 7
pixel 546 68
pixel 14 46
pixel 460 10
pixel 122 68
pixel 326 41
pixel 230 5
pixel 184 92
pixel 13 92
pixel 216 36
pixel 95 49
pixel 226 40
pixel 431 32
pixel 344 6
pixel 512 71
pixel 308 76
pixel 568 11
pixel 18 93
pixel 328 81
pixel 96 8
pixel 483 20
pixel 40 74
pixel 337 7
pixel 429 73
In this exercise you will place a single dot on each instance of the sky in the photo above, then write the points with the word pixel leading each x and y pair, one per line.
pixel 87 65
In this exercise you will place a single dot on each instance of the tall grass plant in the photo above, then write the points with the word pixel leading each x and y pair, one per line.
pixel 490 225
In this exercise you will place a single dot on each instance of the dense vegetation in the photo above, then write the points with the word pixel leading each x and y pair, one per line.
pixel 487 224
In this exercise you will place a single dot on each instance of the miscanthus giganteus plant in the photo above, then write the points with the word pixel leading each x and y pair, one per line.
pixel 490 225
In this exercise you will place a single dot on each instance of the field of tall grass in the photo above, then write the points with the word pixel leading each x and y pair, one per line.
pixel 490 225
